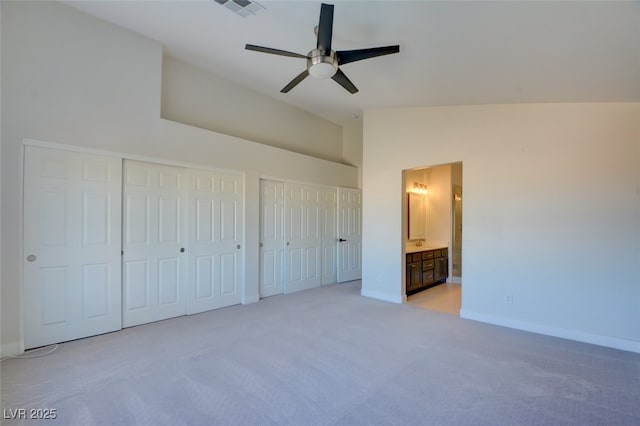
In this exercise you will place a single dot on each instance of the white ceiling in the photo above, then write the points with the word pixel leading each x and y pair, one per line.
pixel 451 52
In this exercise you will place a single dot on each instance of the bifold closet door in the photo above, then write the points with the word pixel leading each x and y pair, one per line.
pixel 303 235
pixel 349 234
pixel 216 232
pixel 154 235
pixel 72 221
pixel 271 238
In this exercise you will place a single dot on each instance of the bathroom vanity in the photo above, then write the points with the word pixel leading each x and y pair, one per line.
pixel 426 267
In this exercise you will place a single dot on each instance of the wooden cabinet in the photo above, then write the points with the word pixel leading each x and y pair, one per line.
pixel 426 269
pixel 440 270
pixel 414 276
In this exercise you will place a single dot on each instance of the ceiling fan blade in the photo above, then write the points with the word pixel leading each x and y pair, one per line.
pixel 325 28
pixel 293 83
pixel 346 56
pixel 274 51
pixel 343 81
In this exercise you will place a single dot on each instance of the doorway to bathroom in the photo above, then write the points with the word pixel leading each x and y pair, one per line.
pixel 433 236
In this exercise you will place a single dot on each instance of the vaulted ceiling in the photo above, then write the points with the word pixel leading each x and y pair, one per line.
pixel 451 52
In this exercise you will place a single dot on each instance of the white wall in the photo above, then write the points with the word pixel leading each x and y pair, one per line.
pixel 439 196
pixel 551 199
pixel 72 79
pixel 352 146
pixel 1 349
pixel 199 98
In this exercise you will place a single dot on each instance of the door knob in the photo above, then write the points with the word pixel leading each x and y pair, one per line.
pixel 31 258
pixel 342 240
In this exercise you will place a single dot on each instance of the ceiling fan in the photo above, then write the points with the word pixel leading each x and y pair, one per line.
pixel 322 62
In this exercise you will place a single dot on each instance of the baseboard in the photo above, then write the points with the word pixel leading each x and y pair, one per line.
pixel 455 280
pixel 595 339
pixel 11 349
pixel 381 296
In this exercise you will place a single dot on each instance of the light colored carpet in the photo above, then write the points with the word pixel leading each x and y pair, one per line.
pixel 322 357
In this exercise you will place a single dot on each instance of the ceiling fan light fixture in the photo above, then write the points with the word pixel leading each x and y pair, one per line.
pixel 320 65
pixel 322 62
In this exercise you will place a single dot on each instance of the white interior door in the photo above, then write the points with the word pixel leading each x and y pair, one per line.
pixel 329 235
pixel 303 235
pixel 271 238
pixel 72 205
pixel 349 234
pixel 216 232
pixel 153 261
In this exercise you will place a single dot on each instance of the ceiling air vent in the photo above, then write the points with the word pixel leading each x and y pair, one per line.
pixel 243 8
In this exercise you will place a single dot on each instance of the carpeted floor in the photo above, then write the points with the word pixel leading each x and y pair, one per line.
pixel 323 357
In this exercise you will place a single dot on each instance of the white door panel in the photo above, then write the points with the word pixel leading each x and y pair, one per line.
pixel 303 235
pixel 216 233
pixel 154 265
pixel 72 221
pixel 136 296
pixel 271 238
pixel 329 235
pixel 349 234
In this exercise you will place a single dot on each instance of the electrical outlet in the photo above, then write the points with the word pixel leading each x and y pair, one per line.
pixel 508 298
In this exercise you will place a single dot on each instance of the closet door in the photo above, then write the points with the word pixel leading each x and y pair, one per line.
pixel 72 205
pixel 349 234
pixel 271 238
pixel 216 232
pixel 154 269
pixel 329 235
pixel 303 235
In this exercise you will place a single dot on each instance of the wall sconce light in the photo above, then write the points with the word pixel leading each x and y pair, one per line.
pixel 419 188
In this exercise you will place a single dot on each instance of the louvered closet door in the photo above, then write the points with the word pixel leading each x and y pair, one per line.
pixel 216 233
pixel 271 238
pixel 303 235
pixel 154 235
pixel 72 205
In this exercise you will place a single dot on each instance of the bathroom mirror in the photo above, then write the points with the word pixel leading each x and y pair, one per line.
pixel 417 210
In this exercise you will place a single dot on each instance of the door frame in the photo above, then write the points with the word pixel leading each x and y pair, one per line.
pixel 405 224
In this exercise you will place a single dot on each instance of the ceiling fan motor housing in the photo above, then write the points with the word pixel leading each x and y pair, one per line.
pixel 321 64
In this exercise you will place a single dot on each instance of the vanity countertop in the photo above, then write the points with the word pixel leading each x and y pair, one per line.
pixel 413 248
